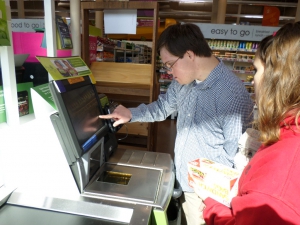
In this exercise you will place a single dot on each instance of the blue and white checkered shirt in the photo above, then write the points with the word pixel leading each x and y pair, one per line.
pixel 212 115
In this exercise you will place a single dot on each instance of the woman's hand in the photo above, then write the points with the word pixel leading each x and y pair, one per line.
pixel 202 194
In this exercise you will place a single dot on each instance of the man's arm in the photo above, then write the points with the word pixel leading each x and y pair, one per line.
pixel 158 110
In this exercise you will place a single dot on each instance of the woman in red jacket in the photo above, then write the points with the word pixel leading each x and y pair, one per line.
pixel 269 187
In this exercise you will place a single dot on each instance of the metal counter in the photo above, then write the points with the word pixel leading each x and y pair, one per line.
pixel 142 196
pixel 25 209
pixel 150 178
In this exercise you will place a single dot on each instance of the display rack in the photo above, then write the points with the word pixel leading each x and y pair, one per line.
pixel 126 55
pixel 105 53
pixel 238 56
pixel 127 83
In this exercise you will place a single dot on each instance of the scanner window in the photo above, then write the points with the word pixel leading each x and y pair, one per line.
pixel 115 177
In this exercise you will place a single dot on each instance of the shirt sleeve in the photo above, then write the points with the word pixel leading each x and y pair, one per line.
pixel 236 118
pixel 158 110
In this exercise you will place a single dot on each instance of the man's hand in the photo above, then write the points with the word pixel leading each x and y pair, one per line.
pixel 120 115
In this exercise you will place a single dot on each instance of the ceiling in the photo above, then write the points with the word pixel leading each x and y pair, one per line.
pixel 237 11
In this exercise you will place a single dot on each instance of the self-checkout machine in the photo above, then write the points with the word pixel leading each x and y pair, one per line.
pixel 99 168
pixel 46 192
pixel 113 185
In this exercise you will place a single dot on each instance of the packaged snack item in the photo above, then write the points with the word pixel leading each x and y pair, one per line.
pixel 236 44
pixel 250 57
pixel 219 181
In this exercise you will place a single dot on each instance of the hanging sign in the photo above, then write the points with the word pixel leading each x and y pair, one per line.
pixel 27 25
pixel 120 21
pixel 235 32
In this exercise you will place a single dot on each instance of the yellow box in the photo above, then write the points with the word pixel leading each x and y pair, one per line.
pixel 219 181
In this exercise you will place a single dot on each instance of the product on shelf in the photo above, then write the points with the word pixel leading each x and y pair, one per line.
pixel 163 88
pixel 122 51
pixel 105 49
pixel 166 76
pixel 238 56
pixel 230 45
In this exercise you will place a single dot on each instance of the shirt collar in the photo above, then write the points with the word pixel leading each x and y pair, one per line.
pixel 213 77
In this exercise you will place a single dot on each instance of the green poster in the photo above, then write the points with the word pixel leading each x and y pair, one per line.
pixel 65 68
pixel 4 35
pixel 44 91
pixel 95 31
pixel 2 106
pixel 24 98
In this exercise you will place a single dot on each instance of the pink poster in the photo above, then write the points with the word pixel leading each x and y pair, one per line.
pixel 30 43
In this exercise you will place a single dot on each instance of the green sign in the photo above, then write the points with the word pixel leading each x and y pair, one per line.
pixel 44 91
pixel 4 35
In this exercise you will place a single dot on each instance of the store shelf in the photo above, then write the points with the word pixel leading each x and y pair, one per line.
pixel 132 55
pixel 164 81
pixel 105 60
pixel 243 71
pixel 238 56
pixel 104 47
pixel 105 52
pixel 126 50
pixel 232 49
pixel 236 60
pixel 248 83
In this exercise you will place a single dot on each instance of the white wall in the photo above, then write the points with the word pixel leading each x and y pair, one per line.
pixel 31 159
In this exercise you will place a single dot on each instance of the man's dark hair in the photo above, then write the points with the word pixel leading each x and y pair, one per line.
pixel 179 38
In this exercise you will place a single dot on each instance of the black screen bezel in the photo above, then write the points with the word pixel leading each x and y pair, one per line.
pixel 58 88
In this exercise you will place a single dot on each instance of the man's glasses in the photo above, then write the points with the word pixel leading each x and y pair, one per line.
pixel 168 66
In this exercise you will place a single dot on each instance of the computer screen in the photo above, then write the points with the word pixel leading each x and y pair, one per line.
pixel 79 109
pixel 83 110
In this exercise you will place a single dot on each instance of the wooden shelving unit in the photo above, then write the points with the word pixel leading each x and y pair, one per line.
pixel 127 83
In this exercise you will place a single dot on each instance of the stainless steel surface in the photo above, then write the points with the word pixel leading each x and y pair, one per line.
pixel 83 164
pixel 157 192
pixel 142 187
pixel 150 187
pixel 142 159
pixel 32 216
pixel 88 207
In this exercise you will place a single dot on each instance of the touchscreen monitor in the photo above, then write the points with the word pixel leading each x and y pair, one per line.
pixel 79 109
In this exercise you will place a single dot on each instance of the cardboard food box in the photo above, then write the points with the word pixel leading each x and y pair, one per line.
pixel 219 181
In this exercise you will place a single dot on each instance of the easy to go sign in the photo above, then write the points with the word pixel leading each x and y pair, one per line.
pixel 236 32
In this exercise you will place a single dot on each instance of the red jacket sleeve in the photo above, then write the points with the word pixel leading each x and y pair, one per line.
pixel 216 213
pixel 249 209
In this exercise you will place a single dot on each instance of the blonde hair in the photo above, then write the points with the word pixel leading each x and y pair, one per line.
pixel 279 90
